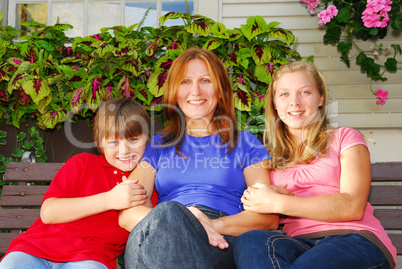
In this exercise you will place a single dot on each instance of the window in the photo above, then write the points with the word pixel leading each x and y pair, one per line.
pixel 89 16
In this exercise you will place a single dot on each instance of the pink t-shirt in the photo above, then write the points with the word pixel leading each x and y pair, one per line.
pixel 321 177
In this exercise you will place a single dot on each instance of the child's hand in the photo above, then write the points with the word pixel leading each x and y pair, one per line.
pixel 262 198
pixel 126 194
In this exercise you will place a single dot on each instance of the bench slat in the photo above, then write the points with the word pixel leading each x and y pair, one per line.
pixel 18 218
pixel 22 195
pixel 390 219
pixel 386 195
pixel 397 242
pixel 5 240
pixel 386 171
pixel 31 172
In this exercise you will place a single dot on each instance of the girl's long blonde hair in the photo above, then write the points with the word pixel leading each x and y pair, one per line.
pixel 280 143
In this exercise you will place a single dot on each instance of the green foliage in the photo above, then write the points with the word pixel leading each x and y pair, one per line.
pixel 30 140
pixel 52 78
pixel 348 24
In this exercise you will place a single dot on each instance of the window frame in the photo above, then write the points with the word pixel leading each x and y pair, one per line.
pixel 11 7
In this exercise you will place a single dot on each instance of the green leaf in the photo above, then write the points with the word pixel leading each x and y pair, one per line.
pixel 397 48
pixel 3 134
pixel 260 119
pixel 370 67
pixel 373 31
pixel 360 58
pixel 254 26
pixel 344 14
pixel 397 22
pixel 18 153
pixel 33 132
pixel 2 142
pixel 391 64
pixel 26 145
pixel 21 136
pixel 333 33
pixel 39 153
pixel 38 146
pixel 254 111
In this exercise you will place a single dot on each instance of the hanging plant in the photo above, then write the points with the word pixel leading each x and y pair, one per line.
pixel 362 20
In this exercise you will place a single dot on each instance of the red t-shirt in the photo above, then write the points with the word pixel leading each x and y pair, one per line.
pixel 98 237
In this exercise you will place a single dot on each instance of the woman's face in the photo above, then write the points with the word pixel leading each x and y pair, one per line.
pixel 297 100
pixel 196 95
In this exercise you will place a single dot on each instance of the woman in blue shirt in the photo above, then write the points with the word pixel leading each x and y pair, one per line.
pixel 200 165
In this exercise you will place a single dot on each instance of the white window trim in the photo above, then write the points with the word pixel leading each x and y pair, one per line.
pixel 206 4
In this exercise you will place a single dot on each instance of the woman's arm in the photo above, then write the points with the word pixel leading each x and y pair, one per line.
pixel 61 210
pixel 349 204
pixel 130 217
pixel 246 220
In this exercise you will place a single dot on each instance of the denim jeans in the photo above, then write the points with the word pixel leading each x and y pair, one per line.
pixel 268 249
pixel 170 236
pixel 20 260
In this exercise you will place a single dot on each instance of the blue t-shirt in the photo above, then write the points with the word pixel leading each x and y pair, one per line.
pixel 206 175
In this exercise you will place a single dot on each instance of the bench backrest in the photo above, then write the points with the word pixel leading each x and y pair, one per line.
pixel 17 201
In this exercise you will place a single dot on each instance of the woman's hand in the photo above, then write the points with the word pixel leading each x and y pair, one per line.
pixel 215 238
pixel 126 194
pixel 263 198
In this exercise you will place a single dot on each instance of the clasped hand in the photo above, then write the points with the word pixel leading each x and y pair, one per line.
pixel 127 194
pixel 263 198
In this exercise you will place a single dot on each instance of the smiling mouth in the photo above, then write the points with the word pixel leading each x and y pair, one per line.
pixel 296 113
pixel 197 102
pixel 127 159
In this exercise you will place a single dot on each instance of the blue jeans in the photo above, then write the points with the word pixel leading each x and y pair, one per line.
pixel 20 260
pixel 267 249
pixel 170 236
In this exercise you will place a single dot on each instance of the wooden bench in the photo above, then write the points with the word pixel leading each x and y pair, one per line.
pixel 20 203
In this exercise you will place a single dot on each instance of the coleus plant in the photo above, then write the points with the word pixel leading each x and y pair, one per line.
pixel 53 78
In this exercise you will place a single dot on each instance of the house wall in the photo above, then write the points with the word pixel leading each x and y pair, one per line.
pixel 351 103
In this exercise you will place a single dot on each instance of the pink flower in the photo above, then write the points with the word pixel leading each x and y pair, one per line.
pixel 381 95
pixel 325 16
pixel 376 13
pixel 375 53
pixel 332 10
pixel 312 5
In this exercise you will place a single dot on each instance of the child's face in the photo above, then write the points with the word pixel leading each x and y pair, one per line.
pixel 124 154
pixel 297 100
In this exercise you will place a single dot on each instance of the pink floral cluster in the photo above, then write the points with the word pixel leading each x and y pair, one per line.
pixel 312 5
pixel 326 16
pixel 382 96
pixel 376 13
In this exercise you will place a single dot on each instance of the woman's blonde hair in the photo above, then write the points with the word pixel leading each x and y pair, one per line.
pixel 224 118
pixel 279 142
pixel 120 118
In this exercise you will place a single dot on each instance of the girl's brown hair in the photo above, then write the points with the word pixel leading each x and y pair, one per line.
pixel 120 118
pixel 224 119
pixel 279 142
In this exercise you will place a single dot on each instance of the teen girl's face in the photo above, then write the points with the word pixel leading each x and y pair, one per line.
pixel 297 100
pixel 196 94
pixel 124 154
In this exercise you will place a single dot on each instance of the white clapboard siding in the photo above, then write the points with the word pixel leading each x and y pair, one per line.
pixel 352 103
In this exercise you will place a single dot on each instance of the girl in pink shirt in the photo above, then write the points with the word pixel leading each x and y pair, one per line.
pixel 327 222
